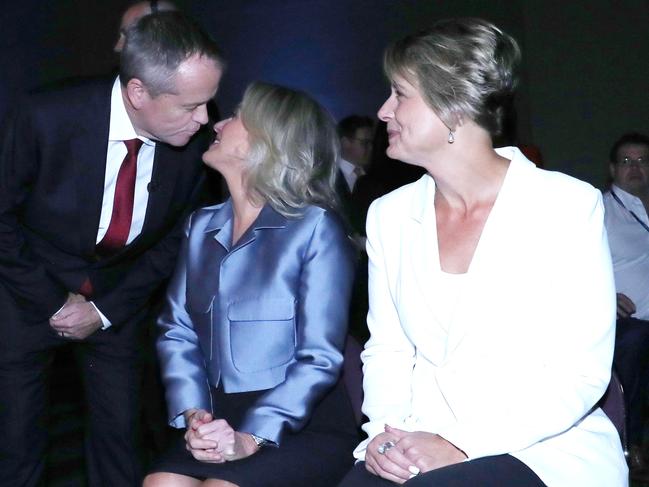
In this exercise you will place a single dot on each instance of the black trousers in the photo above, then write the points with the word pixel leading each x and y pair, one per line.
pixel 110 371
pixel 631 362
pixel 496 471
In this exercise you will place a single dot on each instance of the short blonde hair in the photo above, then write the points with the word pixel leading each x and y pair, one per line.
pixel 462 67
pixel 293 149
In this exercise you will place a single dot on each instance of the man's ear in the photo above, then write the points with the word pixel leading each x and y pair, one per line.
pixel 137 93
pixel 611 169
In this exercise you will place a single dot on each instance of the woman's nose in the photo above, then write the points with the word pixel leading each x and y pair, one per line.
pixel 386 111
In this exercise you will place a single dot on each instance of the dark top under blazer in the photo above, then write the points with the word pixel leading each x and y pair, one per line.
pixel 269 312
pixel 52 169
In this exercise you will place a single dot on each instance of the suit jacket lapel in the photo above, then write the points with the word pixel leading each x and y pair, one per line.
pixel 89 152
pixel 163 179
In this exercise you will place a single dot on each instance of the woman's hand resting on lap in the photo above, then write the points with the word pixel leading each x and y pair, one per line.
pixel 214 440
pixel 412 453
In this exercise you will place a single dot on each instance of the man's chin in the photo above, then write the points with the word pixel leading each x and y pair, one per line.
pixel 179 140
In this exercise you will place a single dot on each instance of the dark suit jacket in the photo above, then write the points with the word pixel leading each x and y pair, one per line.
pixel 52 167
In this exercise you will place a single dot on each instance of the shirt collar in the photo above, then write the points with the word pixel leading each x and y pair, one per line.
pixel 346 167
pixel 121 127
pixel 629 200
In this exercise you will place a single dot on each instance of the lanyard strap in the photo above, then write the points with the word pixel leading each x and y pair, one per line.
pixel 617 198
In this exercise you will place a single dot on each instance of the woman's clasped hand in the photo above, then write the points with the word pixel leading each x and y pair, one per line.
pixel 214 440
pixel 399 455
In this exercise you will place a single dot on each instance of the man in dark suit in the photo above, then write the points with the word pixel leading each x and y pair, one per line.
pixel 96 178
pixel 356 135
pixel 356 140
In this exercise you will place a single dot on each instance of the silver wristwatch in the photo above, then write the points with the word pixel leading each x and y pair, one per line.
pixel 259 440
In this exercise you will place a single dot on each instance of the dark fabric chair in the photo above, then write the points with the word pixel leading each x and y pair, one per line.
pixel 353 376
pixel 612 403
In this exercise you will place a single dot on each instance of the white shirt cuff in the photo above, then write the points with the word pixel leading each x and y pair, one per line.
pixel 105 324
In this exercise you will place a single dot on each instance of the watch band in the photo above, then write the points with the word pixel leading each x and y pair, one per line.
pixel 259 440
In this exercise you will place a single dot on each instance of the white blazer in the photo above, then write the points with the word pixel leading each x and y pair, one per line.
pixel 528 351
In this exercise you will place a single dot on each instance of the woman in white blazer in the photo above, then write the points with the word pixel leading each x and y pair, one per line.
pixel 492 305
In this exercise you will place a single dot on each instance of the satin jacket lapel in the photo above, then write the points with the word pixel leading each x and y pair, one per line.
pixel 89 151
pixel 221 223
pixel 218 232
pixel 268 219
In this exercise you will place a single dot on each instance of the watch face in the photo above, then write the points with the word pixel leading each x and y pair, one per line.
pixel 260 441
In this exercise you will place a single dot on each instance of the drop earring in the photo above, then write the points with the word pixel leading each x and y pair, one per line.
pixel 451 137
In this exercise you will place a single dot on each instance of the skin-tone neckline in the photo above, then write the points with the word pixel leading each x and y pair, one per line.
pixel 468 178
pixel 244 210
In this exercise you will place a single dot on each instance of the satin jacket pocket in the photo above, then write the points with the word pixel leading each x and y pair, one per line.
pixel 262 333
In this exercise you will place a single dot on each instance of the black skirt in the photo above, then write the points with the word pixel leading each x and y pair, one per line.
pixel 318 455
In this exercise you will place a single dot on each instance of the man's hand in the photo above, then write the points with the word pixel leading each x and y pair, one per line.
pixel 625 307
pixel 78 319
pixel 427 451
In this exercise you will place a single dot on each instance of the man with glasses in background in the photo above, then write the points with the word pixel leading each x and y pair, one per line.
pixel 627 223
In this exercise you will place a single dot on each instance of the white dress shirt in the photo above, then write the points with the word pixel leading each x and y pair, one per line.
pixel 350 173
pixel 122 129
pixel 525 355
pixel 629 242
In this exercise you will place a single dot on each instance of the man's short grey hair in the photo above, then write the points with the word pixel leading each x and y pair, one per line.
pixel 153 6
pixel 293 149
pixel 157 44
pixel 161 6
pixel 464 68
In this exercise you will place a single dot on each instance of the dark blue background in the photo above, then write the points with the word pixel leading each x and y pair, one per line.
pixel 584 73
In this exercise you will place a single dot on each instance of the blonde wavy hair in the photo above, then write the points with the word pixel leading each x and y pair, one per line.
pixel 462 67
pixel 293 149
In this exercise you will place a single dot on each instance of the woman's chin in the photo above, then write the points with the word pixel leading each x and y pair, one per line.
pixel 209 160
pixel 392 152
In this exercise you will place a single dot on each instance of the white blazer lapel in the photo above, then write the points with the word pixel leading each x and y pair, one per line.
pixel 420 262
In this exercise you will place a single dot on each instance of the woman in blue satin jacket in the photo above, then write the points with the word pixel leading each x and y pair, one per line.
pixel 252 335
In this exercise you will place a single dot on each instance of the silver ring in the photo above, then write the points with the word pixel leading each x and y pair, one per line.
pixel 62 334
pixel 384 447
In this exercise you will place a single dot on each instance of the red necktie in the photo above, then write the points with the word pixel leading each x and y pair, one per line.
pixel 120 221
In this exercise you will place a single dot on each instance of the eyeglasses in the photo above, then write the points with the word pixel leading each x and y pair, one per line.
pixel 628 161
pixel 364 142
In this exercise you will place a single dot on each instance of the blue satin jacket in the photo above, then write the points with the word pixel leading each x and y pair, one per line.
pixel 269 312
